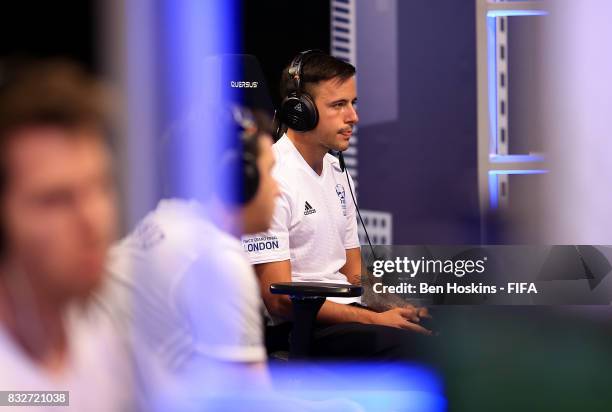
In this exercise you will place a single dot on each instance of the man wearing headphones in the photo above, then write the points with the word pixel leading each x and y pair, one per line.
pixel 313 236
pixel 181 283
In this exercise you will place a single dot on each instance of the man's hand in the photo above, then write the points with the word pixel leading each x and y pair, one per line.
pixel 402 318
pixel 421 312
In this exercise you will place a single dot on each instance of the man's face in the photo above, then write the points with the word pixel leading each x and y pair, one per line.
pixel 335 101
pixel 259 211
pixel 59 208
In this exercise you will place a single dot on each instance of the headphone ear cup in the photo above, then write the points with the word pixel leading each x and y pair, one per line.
pixel 250 178
pixel 299 113
pixel 312 114
pixel 238 178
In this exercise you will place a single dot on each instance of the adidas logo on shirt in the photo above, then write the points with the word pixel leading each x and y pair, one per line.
pixel 298 107
pixel 309 210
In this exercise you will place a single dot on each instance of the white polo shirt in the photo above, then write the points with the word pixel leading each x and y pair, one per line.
pixel 314 221
pixel 186 290
pixel 96 372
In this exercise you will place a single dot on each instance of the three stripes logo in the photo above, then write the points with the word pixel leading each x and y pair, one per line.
pixel 308 209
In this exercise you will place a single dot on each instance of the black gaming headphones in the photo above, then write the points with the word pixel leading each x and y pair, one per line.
pixel 239 164
pixel 298 110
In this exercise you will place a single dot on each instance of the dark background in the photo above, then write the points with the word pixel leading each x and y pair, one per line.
pixel 276 30
pixel 50 29
pixel 273 30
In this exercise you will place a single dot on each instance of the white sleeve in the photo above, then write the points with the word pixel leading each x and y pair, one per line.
pixel 219 299
pixel 272 245
pixel 351 237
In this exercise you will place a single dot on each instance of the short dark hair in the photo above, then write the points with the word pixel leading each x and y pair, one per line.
pixel 316 67
pixel 47 93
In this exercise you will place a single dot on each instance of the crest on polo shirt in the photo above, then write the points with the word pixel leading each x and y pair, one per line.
pixel 148 234
pixel 342 196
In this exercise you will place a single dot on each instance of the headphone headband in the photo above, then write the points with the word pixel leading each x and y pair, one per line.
pixel 295 68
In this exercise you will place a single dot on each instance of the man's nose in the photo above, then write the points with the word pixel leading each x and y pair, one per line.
pixel 352 116
pixel 92 212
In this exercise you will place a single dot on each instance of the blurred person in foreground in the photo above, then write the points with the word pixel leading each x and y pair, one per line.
pixel 184 293
pixel 180 285
pixel 58 219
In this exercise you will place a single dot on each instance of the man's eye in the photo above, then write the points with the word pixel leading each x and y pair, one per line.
pixel 54 199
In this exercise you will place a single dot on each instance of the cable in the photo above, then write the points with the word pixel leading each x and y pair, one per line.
pixel 348 181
